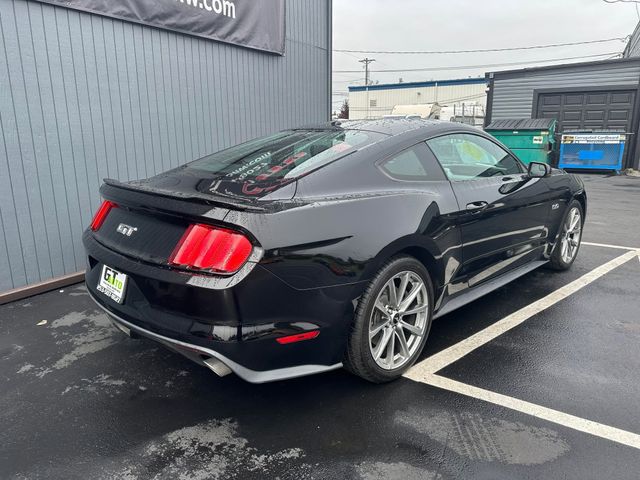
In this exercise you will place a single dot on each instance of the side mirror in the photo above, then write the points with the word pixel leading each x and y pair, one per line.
pixel 538 170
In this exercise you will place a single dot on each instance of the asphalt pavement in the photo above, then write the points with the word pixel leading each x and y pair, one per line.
pixel 539 379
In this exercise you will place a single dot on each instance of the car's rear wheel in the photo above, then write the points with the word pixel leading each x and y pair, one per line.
pixel 568 244
pixel 392 321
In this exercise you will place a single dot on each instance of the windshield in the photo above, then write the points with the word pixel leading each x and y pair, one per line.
pixel 264 164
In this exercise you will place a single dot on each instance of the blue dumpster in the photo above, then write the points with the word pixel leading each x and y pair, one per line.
pixel 592 151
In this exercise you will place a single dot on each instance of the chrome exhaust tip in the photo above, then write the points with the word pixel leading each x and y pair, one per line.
pixel 122 328
pixel 217 367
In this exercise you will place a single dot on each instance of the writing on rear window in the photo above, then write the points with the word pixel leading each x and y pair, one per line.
pixel 250 168
pixel 263 165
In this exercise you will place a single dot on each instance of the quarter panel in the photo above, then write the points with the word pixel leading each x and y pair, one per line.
pixel 564 188
pixel 344 239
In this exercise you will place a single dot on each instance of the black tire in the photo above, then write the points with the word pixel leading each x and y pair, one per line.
pixel 359 357
pixel 556 261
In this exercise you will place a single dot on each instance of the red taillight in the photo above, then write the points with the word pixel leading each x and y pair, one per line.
pixel 101 214
pixel 203 247
pixel 298 337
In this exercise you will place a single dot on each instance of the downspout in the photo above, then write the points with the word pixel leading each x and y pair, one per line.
pixel 489 110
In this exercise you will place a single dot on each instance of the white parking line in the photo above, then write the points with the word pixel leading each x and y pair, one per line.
pixel 606 245
pixel 424 371
pixel 576 423
pixel 452 354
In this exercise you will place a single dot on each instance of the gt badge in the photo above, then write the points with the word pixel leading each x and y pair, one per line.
pixel 126 230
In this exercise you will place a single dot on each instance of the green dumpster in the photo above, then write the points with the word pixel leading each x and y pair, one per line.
pixel 531 139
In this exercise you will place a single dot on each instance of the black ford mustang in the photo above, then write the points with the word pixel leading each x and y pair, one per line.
pixel 325 246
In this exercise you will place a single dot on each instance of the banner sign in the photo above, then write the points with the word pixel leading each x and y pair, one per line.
pixel 258 24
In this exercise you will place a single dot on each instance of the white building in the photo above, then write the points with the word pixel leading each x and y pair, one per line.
pixel 376 101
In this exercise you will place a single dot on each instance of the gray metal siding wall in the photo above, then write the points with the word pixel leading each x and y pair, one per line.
pixel 513 93
pixel 84 97
pixel 633 45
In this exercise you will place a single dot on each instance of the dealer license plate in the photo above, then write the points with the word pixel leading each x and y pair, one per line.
pixel 112 283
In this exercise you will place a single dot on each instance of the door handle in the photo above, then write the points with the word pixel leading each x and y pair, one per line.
pixel 477 206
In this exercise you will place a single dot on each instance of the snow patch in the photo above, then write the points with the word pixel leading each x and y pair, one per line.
pixel 25 368
pixel 79 334
pixel 212 450
pixel 100 383
pixel 394 471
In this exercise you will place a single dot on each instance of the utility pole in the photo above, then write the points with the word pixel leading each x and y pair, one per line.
pixel 366 62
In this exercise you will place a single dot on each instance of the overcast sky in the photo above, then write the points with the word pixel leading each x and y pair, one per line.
pixel 468 24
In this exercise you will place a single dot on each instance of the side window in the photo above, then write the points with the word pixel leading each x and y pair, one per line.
pixel 467 157
pixel 413 164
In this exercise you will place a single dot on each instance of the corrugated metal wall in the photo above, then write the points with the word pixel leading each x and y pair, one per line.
pixel 84 97
pixel 633 45
pixel 385 100
pixel 513 92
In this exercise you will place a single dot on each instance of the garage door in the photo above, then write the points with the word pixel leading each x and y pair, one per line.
pixel 593 110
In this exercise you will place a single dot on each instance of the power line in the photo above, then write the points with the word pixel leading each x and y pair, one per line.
pixel 347 53
pixel 634 2
pixel 468 67
pixel 482 50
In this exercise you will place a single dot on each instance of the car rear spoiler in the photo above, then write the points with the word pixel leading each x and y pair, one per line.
pixel 208 199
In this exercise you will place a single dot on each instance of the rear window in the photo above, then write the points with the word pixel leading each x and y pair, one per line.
pixel 264 164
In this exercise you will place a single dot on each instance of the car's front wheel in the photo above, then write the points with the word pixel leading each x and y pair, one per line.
pixel 568 243
pixel 392 321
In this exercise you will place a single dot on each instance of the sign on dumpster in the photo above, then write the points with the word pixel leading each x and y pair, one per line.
pixel 594 151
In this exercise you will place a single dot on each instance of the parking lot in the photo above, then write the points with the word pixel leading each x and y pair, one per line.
pixel 539 379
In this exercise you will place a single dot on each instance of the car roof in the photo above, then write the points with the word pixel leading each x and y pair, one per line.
pixel 392 126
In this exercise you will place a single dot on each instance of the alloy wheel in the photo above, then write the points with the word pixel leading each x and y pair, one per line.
pixel 570 240
pixel 399 320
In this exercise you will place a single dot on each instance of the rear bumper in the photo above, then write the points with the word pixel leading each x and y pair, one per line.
pixel 202 355
pixel 237 325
